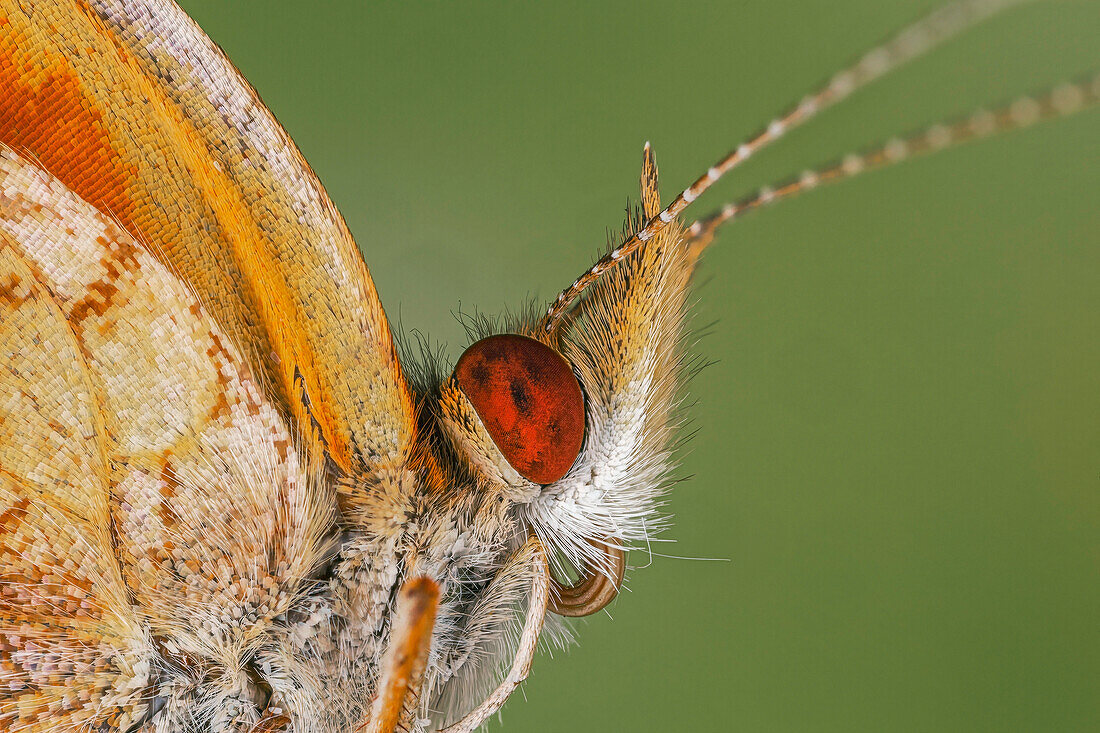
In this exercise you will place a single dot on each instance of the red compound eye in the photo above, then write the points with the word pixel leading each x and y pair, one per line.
pixel 529 400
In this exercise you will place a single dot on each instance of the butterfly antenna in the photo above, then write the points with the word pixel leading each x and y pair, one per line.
pixel 913 41
pixel 1060 101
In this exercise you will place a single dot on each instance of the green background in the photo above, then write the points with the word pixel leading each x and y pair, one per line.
pixel 898 448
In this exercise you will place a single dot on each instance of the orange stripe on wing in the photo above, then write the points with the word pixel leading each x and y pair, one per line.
pixel 45 110
pixel 55 114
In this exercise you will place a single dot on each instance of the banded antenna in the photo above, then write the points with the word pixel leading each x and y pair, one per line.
pixel 1060 101
pixel 910 43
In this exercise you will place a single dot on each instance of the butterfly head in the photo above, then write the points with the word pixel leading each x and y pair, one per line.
pixel 573 424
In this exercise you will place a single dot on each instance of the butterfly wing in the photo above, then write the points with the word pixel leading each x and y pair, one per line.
pixel 152 503
pixel 134 109
pixel 65 619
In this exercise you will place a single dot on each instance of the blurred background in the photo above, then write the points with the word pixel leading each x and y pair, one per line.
pixel 898 447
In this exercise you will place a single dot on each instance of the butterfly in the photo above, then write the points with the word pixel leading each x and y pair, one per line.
pixel 228 502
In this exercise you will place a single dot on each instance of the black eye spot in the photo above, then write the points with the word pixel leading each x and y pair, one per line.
pixel 520 396
pixel 480 373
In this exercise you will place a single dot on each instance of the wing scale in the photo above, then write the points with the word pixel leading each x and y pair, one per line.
pixel 134 109
pixel 152 501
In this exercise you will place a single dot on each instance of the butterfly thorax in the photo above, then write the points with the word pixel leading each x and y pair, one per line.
pixel 318 660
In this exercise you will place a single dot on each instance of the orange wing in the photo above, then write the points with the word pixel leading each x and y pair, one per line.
pixel 151 503
pixel 132 107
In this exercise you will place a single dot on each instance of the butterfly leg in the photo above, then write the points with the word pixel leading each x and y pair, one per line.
pixel 403 667
pixel 528 642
